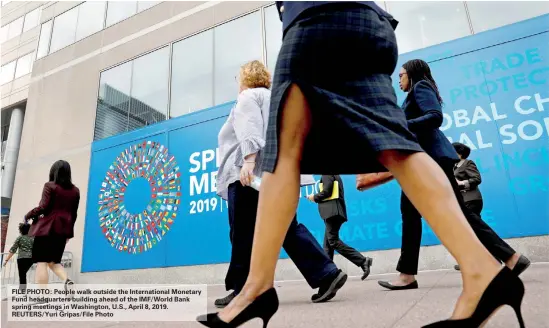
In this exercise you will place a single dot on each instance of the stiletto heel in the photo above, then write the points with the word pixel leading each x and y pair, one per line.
pixel 519 317
pixel 266 318
pixel 518 312
pixel 263 307
pixel 505 289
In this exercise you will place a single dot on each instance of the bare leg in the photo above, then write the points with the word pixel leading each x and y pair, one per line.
pixel 41 275
pixel 510 263
pixel 275 213
pixel 59 270
pixel 430 192
pixel 432 195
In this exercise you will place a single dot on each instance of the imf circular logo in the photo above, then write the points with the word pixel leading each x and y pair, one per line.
pixel 139 197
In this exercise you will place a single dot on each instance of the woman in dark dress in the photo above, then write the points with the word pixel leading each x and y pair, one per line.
pixel 53 222
pixel 423 109
pixel 332 90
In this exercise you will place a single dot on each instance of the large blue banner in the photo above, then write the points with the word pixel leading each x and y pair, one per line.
pixel 152 201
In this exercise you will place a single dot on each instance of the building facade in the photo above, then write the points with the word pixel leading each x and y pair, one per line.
pixel 91 81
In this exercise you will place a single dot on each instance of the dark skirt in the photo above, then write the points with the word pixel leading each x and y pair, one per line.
pixel 342 59
pixel 48 249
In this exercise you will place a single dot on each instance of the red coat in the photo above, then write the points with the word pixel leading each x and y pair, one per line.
pixel 59 207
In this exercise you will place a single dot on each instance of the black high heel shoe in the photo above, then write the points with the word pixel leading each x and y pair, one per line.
pixel 505 289
pixel 264 307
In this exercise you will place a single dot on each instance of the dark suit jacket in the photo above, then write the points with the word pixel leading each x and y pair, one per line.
pixel 59 207
pixel 468 172
pixel 334 207
pixel 424 114
pixel 289 11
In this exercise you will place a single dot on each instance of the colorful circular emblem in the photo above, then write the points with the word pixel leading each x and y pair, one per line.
pixel 137 232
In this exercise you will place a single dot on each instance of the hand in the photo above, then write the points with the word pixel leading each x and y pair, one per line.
pixel 247 173
pixel 460 183
pixel 311 197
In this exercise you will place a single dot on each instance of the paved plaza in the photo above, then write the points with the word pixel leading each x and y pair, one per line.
pixel 364 304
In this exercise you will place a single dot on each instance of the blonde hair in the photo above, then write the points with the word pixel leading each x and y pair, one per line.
pixel 255 75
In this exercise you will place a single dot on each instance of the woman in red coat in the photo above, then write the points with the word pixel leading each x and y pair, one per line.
pixel 53 222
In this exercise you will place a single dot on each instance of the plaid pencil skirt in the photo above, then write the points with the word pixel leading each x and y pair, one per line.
pixel 342 59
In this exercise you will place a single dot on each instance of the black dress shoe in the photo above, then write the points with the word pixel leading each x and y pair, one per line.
pixel 329 297
pixel 522 264
pixel 366 267
pixel 387 285
pixel 223 302
pixel 329 288
pixel 456 267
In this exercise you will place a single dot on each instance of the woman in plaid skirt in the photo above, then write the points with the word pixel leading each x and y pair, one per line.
pixel 332 90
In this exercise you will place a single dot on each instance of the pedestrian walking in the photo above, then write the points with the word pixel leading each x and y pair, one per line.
pixel 332 90
pixel 241 143
pixel 332 209
pixel 53 223
pixel 423 109
pixel 468 179
pixel 23 247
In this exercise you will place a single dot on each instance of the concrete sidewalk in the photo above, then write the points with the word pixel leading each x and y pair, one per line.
pixel 365 304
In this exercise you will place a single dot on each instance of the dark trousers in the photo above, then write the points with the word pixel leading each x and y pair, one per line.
pixel 23 266
pixel 332 242
pixel 475 206
pixel 300 244
pixel 411 230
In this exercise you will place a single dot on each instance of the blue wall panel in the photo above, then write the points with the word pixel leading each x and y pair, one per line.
pixel 203 225
pixel 496 93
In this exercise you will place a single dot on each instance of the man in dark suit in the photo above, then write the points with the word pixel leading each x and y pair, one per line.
pixel 334 213
pixel 468 178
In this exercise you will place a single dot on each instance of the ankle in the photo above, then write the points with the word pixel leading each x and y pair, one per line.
pixel 475 277
pixel 407 278
pixel 252 289
pixel 476 268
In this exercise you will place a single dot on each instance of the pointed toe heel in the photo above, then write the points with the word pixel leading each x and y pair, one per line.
pixel 263 307
pixel 505 289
